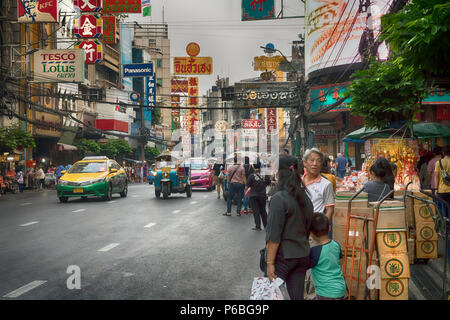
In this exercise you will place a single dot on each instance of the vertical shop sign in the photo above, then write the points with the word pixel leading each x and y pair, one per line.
pixel 109 29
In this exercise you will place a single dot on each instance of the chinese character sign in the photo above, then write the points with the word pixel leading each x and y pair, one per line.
pixel 92 51
pixel 193 102
pixel 271 120
pixel 37 11
pixel 258 9
pixel 122 6
pixel 88 26
pixel 179 86
pixel 322 97
pixel 88 5
pixel 150 90
pixel 109 29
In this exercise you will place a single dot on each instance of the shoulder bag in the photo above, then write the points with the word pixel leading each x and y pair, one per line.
pixel 444 174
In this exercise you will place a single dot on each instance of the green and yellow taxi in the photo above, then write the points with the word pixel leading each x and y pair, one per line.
pixel 93 177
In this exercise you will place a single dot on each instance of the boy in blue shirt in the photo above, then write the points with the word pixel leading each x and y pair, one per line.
pixel 326 271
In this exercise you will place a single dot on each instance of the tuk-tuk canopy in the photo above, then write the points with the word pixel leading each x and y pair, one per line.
pixel 166 156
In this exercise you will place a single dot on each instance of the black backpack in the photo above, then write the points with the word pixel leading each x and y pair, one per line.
pixel 445 175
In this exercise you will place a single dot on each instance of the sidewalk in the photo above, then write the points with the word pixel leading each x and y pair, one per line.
pixel 26 194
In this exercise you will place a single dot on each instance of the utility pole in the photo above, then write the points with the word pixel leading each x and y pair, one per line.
pixel 143 130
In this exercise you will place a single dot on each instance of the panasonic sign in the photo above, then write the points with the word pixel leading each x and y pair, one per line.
pixel 138 70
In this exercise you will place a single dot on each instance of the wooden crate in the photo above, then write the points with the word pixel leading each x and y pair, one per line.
pixel 394 266
pixel 425 231
pixel 391 242
pixel 394 289
pixel 427 249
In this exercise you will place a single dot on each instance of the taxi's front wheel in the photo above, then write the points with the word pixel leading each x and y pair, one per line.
pixel 108 195
pixel 124 193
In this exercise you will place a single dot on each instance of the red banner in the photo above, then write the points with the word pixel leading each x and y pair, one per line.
pixel 88 26
pixel 251 124
pixel 179 86
pixel 271 120
pixel 88 5
pixel 109 29
pixel 443 112
pixel 122 6
pixel 92 50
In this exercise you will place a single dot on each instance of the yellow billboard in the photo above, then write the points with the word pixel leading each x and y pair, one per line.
pixel 264 63
pixel 192 65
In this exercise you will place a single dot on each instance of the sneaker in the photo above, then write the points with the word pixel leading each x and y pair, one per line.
pixel 244 212
pixel 218 197
pixel 250 211
pixel 257 229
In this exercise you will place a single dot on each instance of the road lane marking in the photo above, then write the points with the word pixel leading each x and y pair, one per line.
pixel 193 202
pixel 112 201
pixel 25 204
pixel 127 274
pixel 79 210
pixel 176 211
pixel 109 247
pixel 29 223
pixel 135 196
pixel 150 225
pixel 28 287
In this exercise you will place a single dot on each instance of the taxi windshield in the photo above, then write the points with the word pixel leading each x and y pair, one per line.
pixel 199 165
pixel 166 164
pixel 88 167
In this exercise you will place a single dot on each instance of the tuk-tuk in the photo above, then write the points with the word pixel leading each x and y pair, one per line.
pixel 172 176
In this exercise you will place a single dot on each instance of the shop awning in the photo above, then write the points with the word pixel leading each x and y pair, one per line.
pixel 421 130
pixel 66 147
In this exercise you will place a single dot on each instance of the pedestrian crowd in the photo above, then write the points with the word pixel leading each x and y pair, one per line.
pixel 137 173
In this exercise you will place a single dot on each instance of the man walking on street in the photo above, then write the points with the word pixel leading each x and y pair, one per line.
pixel 236 183
pixel 40 178
pixel 341 166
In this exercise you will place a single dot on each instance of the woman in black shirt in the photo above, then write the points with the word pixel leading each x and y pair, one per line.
pixel 290 215
pixel 257 195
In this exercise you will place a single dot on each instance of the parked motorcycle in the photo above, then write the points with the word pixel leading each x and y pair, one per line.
pixel 2 185
pixel 11 184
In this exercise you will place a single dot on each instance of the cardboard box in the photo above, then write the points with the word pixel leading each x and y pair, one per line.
pixel 422 213
pixel 357 203
pixel 391 242
pixel 427 249
pixel 411 250
pixel 352 284
pixel 394 266
pixel 347 195
pixel 394 289
pixel 421 195
pixel 409 212
pixel 388 204
pixel 425 231
pixel 340 225
pixel 391 218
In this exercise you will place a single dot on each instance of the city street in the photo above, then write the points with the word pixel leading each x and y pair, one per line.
pixel 137 247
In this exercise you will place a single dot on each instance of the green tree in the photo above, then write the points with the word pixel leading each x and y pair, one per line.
pixel 151 153
pixel 383 94
pixel 87 146
pixel 116 147
pixel 14 137
pixel 156 116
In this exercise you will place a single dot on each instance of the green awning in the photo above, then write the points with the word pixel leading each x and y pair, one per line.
pixel 421 130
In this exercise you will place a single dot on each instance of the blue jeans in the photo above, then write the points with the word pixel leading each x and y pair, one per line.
pixel 341 174
pixel 246 200
pixel 236 189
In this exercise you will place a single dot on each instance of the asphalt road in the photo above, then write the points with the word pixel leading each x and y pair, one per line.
pixel 137 247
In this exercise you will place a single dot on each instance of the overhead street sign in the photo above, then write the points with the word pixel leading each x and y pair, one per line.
pixel 138 70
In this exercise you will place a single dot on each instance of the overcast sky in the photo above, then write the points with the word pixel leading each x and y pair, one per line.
pixel 217 27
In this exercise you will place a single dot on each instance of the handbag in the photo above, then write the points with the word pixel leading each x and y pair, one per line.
pixel 263 289
pixel 221 175
pixel 445 175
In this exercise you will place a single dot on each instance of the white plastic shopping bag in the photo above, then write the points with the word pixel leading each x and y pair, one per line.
pixel 263 289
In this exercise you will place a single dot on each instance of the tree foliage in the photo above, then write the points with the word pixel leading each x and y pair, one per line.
pixel 151 153
pixel 156 116
pixel 14 137
pixel 115 147
pixel 87 146
pixel 419 34
pixel 382 94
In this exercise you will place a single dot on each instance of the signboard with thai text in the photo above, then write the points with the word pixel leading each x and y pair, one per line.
pixel 258 9
pixel 265 94
pixel 32 11
pixel 122 6
pixel 264 63
pixel 58 66
pixel 47 124
pixel 193 65
pixel 251 124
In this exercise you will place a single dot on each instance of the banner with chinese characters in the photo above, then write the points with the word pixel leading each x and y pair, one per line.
pixel 88 5
pixel 179 86
pixel 175 99
pixel 271 120
pixel 122 6
pixel 193 65
pixel 150 91
pixel 258 9
pixel 324 96
pixel 193 122
pixel 92 51
pixel 88 26
pixel 32 11
pixel 109 29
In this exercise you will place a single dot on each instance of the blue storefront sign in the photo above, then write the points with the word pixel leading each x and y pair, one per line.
pixel 258 9
pixel 324 96
pixel 150 99
pixel 138 70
